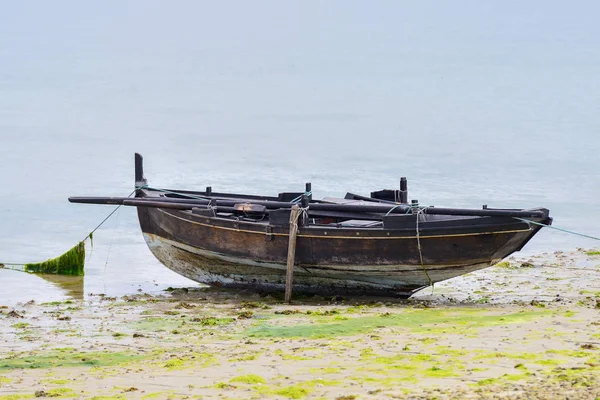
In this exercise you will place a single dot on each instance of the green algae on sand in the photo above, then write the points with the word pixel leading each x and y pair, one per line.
pixel 249 379
pixel 191 360
pixel 447 320
pixel 16 396
pixel 58 393
pixel 70 263
pixel 63 359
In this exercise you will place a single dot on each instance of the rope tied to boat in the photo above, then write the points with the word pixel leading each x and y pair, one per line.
pixel 393 208
pixel 191 196
pixel 297 199
pixel 302 211
pixel 410 208
pixel 556 228
pixel 421 211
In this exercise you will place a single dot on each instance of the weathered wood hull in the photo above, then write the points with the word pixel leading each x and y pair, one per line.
pixel 329 260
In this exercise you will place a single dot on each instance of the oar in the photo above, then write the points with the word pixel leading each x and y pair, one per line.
pixel 188 206
pixel 364 208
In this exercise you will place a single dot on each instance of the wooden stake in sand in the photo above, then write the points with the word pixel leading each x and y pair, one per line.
pixel 289 276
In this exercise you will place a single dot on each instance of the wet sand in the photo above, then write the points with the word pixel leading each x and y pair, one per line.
pixel 527 328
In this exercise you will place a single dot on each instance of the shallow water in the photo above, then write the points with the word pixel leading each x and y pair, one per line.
pixel 479 104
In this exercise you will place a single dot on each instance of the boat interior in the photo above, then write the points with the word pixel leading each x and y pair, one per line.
pixel 246 211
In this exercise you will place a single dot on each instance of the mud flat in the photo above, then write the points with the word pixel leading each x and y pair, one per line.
pixel 527 328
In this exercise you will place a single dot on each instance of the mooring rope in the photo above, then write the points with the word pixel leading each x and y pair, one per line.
pixel 558 229
pixel 301 211
pixel 419 213
pixel 409 208
pixel 297 199
pixel 191 196
pixel 393 208
pixel 89 236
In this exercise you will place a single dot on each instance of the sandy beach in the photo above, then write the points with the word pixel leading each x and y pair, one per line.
pixel 526 328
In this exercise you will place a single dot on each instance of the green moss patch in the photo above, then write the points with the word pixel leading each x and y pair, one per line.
pixel 212 321
pixel 157 395
pixel 297 391
pixel 248 357
pixel 250 379
pixel 61 359
pixel 61 393
pixel 439 372
pixel 293 392
pixel 294 357
pixel 406 367
pixel 516 377
pixel 57 381
pixel 70 263
pixel 156 324
pixel 486 382
pixel 188 361
pixel 503 264
pixel 325 370
pixel 483 354
pixel 421 320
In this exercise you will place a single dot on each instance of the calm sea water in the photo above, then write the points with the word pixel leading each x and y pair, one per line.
pixel 476 103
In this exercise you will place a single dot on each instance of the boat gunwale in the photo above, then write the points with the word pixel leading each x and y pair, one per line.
pixel 352 233
pixel 348 232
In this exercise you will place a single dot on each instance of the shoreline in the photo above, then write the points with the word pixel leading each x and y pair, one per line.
pixel 526 326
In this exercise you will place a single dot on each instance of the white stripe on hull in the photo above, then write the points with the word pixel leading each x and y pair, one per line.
pixel 213 268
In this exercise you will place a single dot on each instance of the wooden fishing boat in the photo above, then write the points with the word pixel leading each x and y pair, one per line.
pixel 373 245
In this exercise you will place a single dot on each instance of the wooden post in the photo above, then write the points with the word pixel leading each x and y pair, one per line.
pixel 403 191
pixel 304 200
pixel 289 276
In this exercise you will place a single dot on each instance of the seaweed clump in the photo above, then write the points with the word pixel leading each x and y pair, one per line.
pixel 70 263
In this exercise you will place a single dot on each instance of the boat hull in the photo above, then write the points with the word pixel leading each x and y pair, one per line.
pixel 349 261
